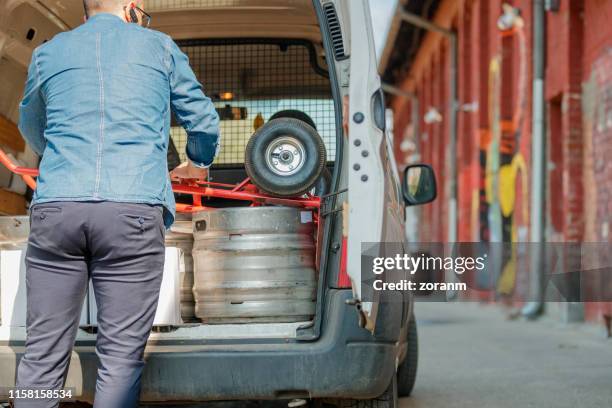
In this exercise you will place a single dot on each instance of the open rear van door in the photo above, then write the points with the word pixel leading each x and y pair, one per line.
pixel 366 190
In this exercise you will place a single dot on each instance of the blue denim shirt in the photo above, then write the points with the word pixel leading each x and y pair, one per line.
pixel 97 110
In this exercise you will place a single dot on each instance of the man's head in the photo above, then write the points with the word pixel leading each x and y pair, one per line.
pixel 131 11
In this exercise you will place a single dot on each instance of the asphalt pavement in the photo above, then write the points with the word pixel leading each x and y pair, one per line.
pixel 473 356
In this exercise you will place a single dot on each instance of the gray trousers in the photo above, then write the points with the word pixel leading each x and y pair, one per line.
pixel 120 246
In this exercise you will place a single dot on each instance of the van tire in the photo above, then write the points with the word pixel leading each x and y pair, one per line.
pixel 388 399
pixel 298 170
pixel 407 371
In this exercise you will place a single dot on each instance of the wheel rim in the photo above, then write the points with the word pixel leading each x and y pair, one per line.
pixel 285 156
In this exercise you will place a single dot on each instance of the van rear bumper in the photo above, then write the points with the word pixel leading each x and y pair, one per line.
pixel 346 361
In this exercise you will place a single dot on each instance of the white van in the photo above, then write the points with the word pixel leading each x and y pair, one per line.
pixel 315 337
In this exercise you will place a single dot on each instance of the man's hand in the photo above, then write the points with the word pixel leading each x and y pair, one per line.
pixel 187 171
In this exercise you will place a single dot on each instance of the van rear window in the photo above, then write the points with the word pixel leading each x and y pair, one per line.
pixel 252 80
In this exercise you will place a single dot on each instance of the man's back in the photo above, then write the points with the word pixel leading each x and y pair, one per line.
pixel 97 109
pixel 107 87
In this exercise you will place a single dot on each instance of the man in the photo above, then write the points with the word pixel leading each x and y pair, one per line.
pixel 97 110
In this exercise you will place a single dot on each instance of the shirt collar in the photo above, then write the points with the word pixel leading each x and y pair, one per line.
pixel 104 16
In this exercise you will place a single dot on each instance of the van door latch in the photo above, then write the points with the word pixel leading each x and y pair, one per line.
pixel 360 313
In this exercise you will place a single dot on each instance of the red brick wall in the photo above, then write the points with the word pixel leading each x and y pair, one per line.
pixel 563 83
pixel 494 143
pixel 597 131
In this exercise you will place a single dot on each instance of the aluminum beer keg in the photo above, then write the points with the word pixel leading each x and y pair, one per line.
pixel 254 265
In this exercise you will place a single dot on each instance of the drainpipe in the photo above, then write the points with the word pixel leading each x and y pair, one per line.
pixel 425 24
pixel 538 182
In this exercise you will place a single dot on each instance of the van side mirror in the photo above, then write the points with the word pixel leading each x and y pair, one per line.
pixel 419 185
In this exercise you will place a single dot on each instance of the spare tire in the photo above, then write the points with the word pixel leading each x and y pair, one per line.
pixel 285 157
pixel 294 114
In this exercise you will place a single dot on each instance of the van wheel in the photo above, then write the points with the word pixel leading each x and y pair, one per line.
pixel 406 372
pixel 285 157
pixel 389 399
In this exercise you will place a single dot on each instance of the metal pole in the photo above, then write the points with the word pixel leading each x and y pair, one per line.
pixel 538 178
pixel 425 24
pixel 452 146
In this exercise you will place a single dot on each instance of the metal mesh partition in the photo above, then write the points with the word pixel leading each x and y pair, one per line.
pixel 250 81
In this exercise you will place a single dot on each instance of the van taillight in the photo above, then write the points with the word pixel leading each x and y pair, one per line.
pixel 343 279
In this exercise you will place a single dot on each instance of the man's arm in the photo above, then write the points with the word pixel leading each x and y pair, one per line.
pixel 193 110
pixel 32 111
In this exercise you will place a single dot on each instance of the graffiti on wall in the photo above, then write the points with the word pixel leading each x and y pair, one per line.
pixel 504 175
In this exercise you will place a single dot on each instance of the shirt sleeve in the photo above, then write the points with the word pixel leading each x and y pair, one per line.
pixel 32 110
pixel 193 110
